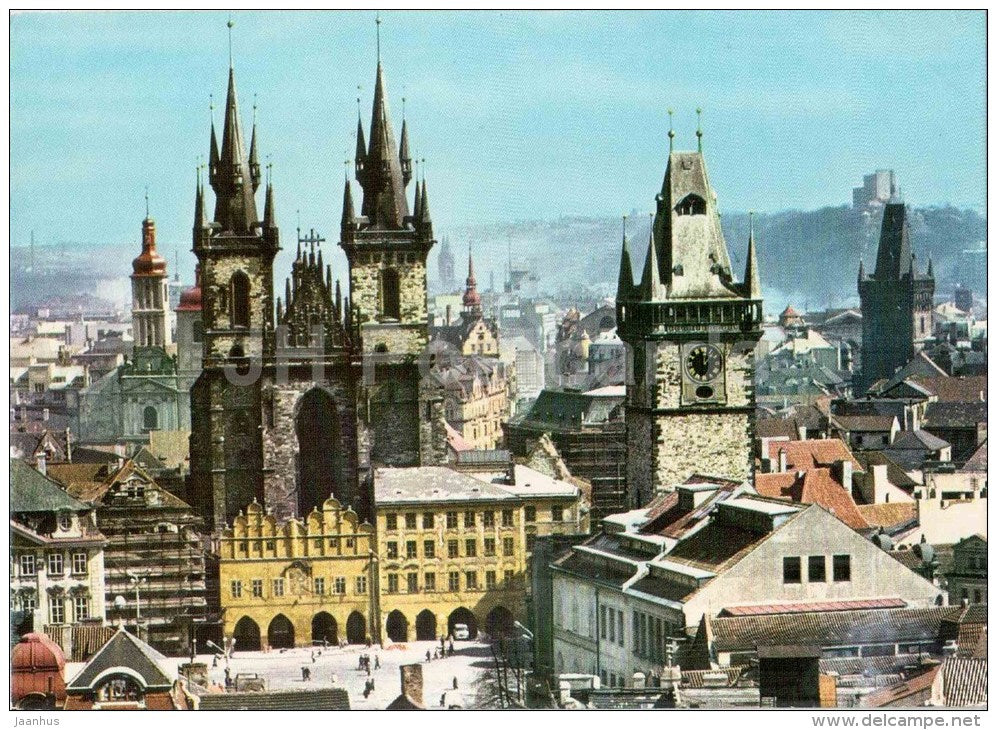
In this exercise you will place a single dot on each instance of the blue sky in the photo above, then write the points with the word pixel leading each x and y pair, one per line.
pixel 519 115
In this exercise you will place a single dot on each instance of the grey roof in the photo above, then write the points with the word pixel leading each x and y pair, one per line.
pixel 964 682
pixel 124 650
pixel 978 461
pixel 31 491
pixel 559 409
pixel 326 698
pixel 955 414
pixel 917 441
pixel 420 484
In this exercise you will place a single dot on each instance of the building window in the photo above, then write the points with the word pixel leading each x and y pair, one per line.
pixel 390 294
pixel 451 520
pixel 257 586
pixel 237 589
pixel 150 418
pixel 392 549
pixel 471 546
pixel 508 546
pixel 240 299
pixel 791 570
pixel 471 577
pixel 392 583
pixel 557 513
pixel 28 568
pixel 507 518
pixel 507 576
pixel 57 610
pixel 490 580
pixel 530 514
pixel 410 549
pixel 428 521
pixel 339 586
pixel 391 522
pixel 611 616
pixel 28 602
pixel 817 569
pixel 489 547
pixel 452 549
pixel 278 587
pixel 469 519
pixel 319 584
pixel 429 548
pixel 361 584
pixel 453 581
pixel 79 563
pixel 413 582
pixel 55 564
pixel 65 520
pixel 489 518
pixel 410 520
pixel 430 581
pixel 842 567
pixel 691 204
pixel 81 608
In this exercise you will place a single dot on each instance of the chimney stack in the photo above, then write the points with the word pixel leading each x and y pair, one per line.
pixel 845 470
pixel 782 461
pixel 448 316
pixel 639 680
pixel 40 464
pixel 45 414
pixel 412 682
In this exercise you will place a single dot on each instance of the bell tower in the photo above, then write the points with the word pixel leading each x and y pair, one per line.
pixel 690 331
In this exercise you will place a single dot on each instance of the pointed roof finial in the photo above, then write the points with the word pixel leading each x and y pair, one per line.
pixel 699 129
pixel 671 132
pixel 230 23
pixel 377 23
pixel 752 280
pixel 147 202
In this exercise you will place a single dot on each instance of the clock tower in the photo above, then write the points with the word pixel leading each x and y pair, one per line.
pixel 690 331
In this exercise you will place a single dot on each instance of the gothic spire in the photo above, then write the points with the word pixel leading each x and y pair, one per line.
pixel 424 204
pixel 931 268
pixel 384 202
pixel 650 282
pixel 404 158
pixel 200 221
pixel 417 204
pixel 235 206
pixel 752 280
pixel 861 270
pixel 624 287
pixel 254 160
pixel 360 155
pixel 349 218
pixel 270 209
pixel 472 300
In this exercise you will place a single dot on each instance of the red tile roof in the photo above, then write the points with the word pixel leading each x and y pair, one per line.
pixel 773 608
pixel 812 453
pixel 815 486
pixel 888 695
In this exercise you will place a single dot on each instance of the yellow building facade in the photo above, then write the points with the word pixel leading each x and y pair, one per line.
pixel 452 551
pixel 301 582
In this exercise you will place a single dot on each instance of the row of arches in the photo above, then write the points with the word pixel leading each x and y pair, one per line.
pixel 325 629
pixel 280 632
pixel 498 622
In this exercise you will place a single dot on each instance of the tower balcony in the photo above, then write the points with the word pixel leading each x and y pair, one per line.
pixel 639 320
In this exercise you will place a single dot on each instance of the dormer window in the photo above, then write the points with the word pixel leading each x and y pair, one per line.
pixel 691 204
pixel 65 521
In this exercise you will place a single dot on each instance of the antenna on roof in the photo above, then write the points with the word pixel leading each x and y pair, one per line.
pixel 699 129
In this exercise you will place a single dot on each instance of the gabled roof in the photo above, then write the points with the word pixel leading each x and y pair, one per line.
pixel 964 682
pixel 918 441
pixel 955 414
pixel 888 514
pixel 812 453
pixel 978 461
pixel 949 389
pixel 326 698
pixel 865 424
pixel 895 473
pixel 30 491
pixel 124 651
pixel 889 695
pixel 815 486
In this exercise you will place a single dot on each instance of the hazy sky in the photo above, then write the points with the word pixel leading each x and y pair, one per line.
pixel 520 115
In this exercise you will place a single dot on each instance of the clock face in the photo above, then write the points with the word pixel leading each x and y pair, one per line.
pixel 703 363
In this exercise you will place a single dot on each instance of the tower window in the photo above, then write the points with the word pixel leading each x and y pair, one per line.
pixel 197 331
pixel 390 294
pixel 691 204
pixel 150 418
pixel 240 299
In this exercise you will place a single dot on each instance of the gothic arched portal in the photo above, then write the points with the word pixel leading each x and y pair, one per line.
pixel 320 450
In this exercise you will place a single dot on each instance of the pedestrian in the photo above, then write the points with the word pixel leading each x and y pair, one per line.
pixel 455 683
pixel 443 700
pixel 377 661
pixel 214 662
pixel 228 678
pixel 368 669
pixel 427 655
pixel 313 657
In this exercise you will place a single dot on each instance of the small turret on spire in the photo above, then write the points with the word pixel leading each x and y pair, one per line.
pixel 270 209
pixel 200 221
pixel 699 129
pixel 417 203
pixel 671 132
pixel 254 160
pixel 625 284
pixel 424 217
pixel 931 268
pixel 650 283
pixel 403 154
pixel 213 152
pixel 861 270
pixel 752 279
pixel 349 217
pixel 360 157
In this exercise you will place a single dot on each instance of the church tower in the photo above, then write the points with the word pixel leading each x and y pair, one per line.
pixel 690 331
pixel 150 295
pixel 387 247
pixel 897 302
pixel 235 252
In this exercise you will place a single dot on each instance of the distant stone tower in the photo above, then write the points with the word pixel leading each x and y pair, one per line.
pixel 190 332
pixel 387 247
pixel 446 262
pixel 897 302
pixel 150 293
pixel 690 332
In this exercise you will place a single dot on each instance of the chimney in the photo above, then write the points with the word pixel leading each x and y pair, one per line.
pixel 845 474
pixel 412 682
pixel 639 680
pixel 40 463
pixel 69 445
pixel 782 461
pixel 879 482
pixel 448 316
